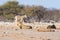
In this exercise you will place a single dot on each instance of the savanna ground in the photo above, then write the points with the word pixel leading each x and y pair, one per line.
pixel 12 32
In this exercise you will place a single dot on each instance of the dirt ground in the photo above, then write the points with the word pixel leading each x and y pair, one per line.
pixel 27 34
pixel 11 32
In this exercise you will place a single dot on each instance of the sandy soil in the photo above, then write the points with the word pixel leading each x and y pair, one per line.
pixel 14 33
pixel 27 34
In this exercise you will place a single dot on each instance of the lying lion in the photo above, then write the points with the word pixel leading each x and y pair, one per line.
pixel 22 26
pixel 40 29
